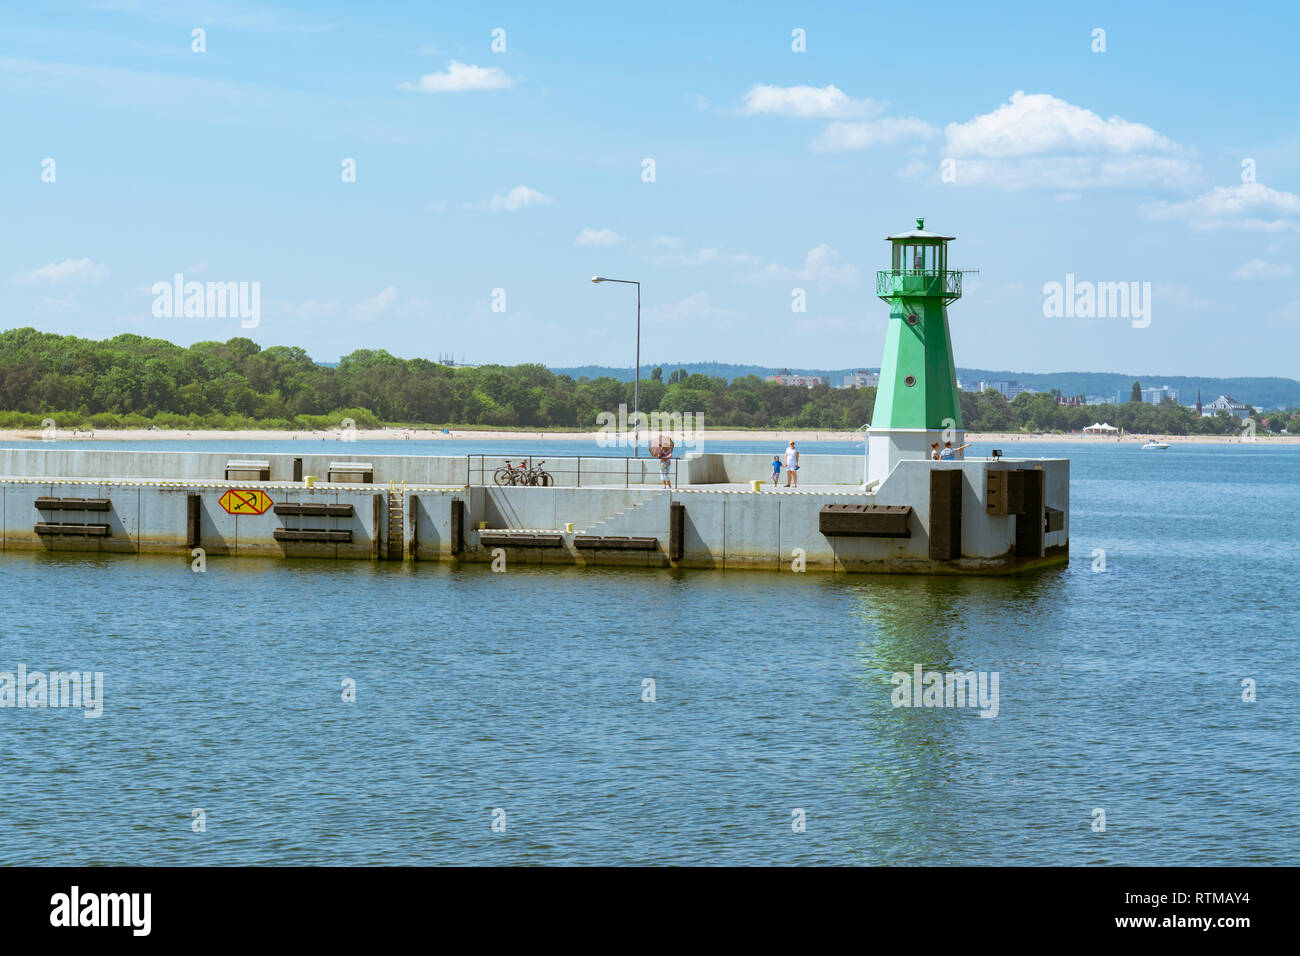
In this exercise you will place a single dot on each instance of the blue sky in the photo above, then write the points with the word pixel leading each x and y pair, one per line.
pixel 774 170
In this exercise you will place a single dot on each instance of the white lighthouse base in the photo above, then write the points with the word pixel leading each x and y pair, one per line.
pixel 886 447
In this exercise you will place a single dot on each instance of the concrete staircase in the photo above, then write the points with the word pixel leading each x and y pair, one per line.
pixel 635 519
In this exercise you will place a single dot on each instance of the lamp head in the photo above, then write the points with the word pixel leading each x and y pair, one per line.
pixel 597 279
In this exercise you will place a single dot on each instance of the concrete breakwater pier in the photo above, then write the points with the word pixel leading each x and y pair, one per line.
pixel 982 516
pixel 914 505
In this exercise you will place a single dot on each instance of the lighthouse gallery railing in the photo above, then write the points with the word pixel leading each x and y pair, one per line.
pixel 892 282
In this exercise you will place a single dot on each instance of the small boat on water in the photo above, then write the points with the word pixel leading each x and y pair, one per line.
pixel 1155 444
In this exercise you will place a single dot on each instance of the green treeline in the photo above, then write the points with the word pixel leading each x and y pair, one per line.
pixel 131 381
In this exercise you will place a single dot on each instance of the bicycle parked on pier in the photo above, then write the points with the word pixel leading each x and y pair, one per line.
pixel 523 474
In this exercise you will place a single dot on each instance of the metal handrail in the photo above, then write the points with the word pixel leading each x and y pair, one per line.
pixel 923 282
pixel 595 469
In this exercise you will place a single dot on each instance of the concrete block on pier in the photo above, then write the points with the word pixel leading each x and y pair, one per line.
pixel 751 530
pixel 704 531
pixel 799 516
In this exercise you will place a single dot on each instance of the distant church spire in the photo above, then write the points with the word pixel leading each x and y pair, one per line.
pixel 1198 401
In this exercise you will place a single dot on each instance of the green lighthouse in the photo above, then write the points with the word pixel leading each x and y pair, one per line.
pixel 916 401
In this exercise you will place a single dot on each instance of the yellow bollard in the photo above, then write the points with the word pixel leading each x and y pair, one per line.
pixel 568 527
pixel 482 525
pixel 311 481
pixel 756 484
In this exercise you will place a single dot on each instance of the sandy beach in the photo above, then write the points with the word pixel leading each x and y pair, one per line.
pixel 433 436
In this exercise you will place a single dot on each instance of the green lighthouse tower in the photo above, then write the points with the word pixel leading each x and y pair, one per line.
pixel 916 401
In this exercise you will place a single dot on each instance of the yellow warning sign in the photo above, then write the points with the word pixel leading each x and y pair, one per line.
pixel 239 501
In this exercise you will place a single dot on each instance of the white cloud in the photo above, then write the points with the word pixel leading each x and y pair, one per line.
pixel 376 305
pixel 700 257
pixel 516 199
pixel 76 270
pixel 1175 298
pixel 1075 172
pixel 1039 124
pixel 312 309
pixel 415 307
pixel 597 237
pixel 886 132
pixel 695 306
pixel 461 78
pixel 225 14
pixel 832 103
pixel 1040 140
pixel 830 325
pixel 822 264
pixel 807 102
pixel 1247 206
pixel 915 167
pixel 1259 269
pixel 1289 314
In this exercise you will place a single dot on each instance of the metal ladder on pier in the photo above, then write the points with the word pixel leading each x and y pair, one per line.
pixel 396 521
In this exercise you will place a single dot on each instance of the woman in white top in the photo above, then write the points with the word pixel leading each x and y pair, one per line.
pixel 791 466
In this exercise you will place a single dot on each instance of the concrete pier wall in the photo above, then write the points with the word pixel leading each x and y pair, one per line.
pixel 813 469
pixel 566 471
pixel 197 466
pixel 723 524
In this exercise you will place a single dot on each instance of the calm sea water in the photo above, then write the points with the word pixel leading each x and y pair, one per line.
pixel 1119 690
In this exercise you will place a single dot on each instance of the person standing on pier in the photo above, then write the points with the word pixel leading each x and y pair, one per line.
pixel 791 466
pixel 662 448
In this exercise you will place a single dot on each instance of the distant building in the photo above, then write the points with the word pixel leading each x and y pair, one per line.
pixel 1156 396
pixel 1150 396
pixel 1008 389
pixel 862 378
pixel 805 381
pixel 1225 403
pixel 1102 400
pixel 1070 401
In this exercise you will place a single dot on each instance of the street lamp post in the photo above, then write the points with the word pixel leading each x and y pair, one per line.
pixel 636 388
